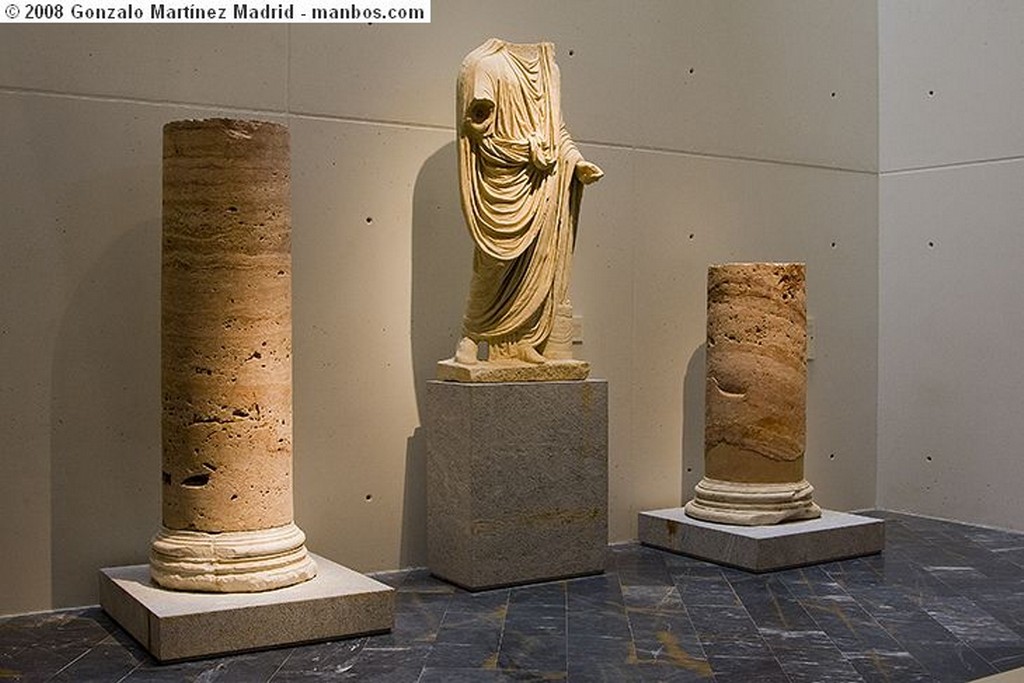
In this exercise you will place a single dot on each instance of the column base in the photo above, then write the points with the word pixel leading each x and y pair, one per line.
pixel 747 504
pixel 232 561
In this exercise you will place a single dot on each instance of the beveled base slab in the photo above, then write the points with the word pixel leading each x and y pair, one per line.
pixel 174 625
pixel 833 536
pixel 1011 676
pixel 551 371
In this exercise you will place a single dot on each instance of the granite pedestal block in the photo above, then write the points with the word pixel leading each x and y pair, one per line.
pixel 833 536
pixel 175 625
pixel 517 481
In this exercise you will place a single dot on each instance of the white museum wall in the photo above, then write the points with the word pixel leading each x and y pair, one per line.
pixel 751 154
pixel 951 241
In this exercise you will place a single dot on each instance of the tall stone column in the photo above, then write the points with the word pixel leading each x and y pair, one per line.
pixel 755 410
pixel 226 361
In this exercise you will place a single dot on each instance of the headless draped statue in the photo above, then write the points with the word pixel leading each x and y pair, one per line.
pixel 521 179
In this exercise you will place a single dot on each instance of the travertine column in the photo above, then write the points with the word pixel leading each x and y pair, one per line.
pixel 755 410
pixel 226 361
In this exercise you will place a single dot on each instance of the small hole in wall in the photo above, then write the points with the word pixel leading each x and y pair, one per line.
pixel 928 458
pixel 834 245
pixel 831 456
pixel 572 52
pixel 369 220
pixel 931 93
pixel 931 245
pixel 691 235
pixel 691 69
pixel 689 469
pixel 833 93
pixel 369 497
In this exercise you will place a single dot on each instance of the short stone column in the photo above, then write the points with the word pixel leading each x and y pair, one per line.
pixel 755 410
pixel 226 361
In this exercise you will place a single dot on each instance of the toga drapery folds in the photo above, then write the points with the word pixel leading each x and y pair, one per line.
pixel 521 181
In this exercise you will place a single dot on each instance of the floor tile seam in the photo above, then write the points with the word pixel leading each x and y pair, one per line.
pixel 966 646
pixel 780 659
pixel 835 644
pixel 977 606
pixel 283 662
pixel 700 641
pixel 874 623
pixel 565 613
pixel 629 622
pixel 501 633
pixel 130 672
pixel 75 659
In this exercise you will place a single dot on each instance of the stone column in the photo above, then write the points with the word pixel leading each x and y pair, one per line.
pixel 756 394
pixel 226 361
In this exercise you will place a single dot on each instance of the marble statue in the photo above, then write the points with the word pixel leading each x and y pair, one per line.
pixel 226 341
pixel 521 179
pixel 756 397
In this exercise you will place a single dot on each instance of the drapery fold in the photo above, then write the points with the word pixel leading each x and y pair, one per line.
pixel 520 196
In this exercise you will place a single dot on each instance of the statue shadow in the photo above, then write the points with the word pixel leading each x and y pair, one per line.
pixel 693 422
pixel 105 416
pixel 442 254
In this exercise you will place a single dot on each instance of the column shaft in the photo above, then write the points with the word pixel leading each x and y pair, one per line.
pixel 226 360
pixel 755 399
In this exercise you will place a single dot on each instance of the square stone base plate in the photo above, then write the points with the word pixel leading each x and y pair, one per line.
pixel 833 536
pixel 512 371
pixel 175 625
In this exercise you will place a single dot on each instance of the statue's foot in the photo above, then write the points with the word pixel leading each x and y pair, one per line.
pixel 528 354
pixel 465 352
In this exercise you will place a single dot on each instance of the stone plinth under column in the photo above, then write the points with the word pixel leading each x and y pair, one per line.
pixel 175 625
pixel 832 536
pixel 517 481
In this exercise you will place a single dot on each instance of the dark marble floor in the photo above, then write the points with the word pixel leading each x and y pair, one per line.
pixel 944 602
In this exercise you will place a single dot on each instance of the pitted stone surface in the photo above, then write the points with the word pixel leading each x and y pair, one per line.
pixel 517 481
pixel 226 362
pixel 756 371
pixel 755 399
pixel 226 321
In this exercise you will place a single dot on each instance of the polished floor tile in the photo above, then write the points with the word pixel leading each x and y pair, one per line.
pixel 944 602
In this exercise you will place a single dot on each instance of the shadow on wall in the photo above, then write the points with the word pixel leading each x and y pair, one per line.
pixel 105 417
pixel 442 253
pixel 693 421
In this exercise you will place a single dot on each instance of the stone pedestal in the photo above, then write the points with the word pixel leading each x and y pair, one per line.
pixel 175 625
pixel 227 361
pixel 755 401
pixel 517 481
pixel 832 536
